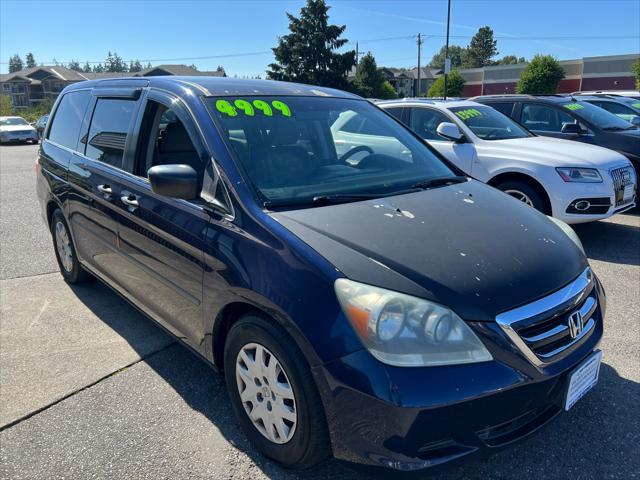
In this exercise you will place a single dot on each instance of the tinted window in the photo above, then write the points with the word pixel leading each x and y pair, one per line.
pixel 294 149
pixel 108 133
pixel 613 107
pixel 597 116
pixel 65 126
pixel 489 124
pixel 543 118
pixel 425 121
pixel 504 108
pixel 396 112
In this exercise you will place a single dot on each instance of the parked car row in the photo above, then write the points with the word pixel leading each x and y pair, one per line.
pixel 362 292
pixel 574 182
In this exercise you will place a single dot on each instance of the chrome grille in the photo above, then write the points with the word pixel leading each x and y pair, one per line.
pixel 543 330
pixel 621 178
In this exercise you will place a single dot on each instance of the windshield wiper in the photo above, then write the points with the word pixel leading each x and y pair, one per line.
pixel 440 181
pixel 345 197
pixel 617 128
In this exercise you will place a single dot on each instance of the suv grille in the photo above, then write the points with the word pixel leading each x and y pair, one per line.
pixel 552 327
pixel 621 178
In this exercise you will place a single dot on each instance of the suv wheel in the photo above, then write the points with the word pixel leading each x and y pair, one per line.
pixel 525 193
pixel 273 394
pixel 70 268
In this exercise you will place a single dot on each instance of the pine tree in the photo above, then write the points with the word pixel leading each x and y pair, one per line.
pixel 135 66
pixel 308 53
pixel 86 67
pixel 74 65
pixel 15 63
pixel 481 49
pixel 31 61
pixel 98 68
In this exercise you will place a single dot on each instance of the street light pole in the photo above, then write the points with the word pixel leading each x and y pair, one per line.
pixel 447 60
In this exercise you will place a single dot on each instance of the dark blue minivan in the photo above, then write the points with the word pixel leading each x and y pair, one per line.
pixel 363 298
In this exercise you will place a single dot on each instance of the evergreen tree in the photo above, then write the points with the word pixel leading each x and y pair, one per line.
pixel 98 68
pixel 114 63
pixel 511 60
pixel 86 67
pixel 635 69
pixel 455 84
pixel 481 49
pixel 148 65
pixel 308 53
pixel 541 76
pixel 15 63
pixel 135 66
pixel 456 53
pixel 368 78
pixel 74 65
pixel 31 61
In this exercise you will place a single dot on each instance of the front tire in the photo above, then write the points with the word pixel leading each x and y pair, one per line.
pixel 526 193
pixel 273 394
pixel 70 267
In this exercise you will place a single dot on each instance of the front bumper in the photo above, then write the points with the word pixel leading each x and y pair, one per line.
pixel 7 137
pixel 601 197
pixel 414 418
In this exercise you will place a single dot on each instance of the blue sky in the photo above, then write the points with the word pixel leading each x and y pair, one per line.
pixel 239 34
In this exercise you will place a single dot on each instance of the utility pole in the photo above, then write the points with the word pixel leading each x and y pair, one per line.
pixel 447 60
pixel 419 46
pixel 357 53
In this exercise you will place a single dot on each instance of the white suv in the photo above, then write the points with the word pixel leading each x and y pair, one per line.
pixel 571 181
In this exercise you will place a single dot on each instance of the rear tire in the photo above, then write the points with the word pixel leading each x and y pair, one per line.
pixel 299 437
pixel 526 193
pixel 70 267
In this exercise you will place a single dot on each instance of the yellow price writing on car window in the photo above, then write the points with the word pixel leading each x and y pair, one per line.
pixel 573 106
pixel 232 108
pixel 469 113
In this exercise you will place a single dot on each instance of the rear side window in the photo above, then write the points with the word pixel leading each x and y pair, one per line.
pixel 108 132
pixel 396 112
pixel 543 118
pixel 505 108
pixel 67 120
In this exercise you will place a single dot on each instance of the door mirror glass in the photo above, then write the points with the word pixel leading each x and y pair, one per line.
pixel 449 131
pixel 177 181
pixel 572 128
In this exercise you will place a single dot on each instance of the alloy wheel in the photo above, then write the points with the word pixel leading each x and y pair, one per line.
pixel 518 195
pixel 63 244
pixel 266 393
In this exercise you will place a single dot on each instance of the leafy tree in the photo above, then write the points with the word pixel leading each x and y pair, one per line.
pixel 482 48
pixel 31 61
pixel 86 67
pixel 74 65
pixel 511 60
pixel 308 53
pixel 455 84
pixel 135 66
pixel 6 105
pixel 456 54
pixel 15 63
pixel 635 69
pixel 541 75
pixel 386 91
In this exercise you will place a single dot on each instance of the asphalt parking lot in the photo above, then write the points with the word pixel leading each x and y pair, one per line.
pixel 89 388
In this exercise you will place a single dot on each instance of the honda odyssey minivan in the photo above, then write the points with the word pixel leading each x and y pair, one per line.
pixel 374 303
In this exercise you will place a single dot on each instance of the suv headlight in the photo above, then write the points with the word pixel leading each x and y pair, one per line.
pixel 406 331
pixel 569 232
pixel 585 175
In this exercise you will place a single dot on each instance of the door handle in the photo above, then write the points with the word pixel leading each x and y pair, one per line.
pixel 130 200
pixel 106 189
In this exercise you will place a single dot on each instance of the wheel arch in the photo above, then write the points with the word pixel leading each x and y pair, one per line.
pixel 525 178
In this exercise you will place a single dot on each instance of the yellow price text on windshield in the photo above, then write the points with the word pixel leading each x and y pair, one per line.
pixel 232 108
pixel 573 106
pixel 469 113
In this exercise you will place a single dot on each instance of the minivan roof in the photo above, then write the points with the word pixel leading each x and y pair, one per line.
pixel 217 86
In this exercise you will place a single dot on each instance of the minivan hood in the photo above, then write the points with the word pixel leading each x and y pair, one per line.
pixel 467 246
pixel 553 152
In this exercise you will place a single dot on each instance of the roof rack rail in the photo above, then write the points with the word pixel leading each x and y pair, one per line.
pixel 503 95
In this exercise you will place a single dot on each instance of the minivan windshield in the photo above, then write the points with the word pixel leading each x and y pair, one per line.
pixel 598 116
pixel 11 121
pixel 489 124
pixel 297 150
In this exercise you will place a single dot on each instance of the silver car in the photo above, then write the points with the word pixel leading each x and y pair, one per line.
pixel 16 129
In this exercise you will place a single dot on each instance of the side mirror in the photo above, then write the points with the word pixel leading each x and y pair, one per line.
pixel 449 131
pixel 635 120
pixel 177 181
pixel 572 128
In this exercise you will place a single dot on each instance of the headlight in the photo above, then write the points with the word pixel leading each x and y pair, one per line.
pixel 570 233
pixel 407 331
pixel 586 175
